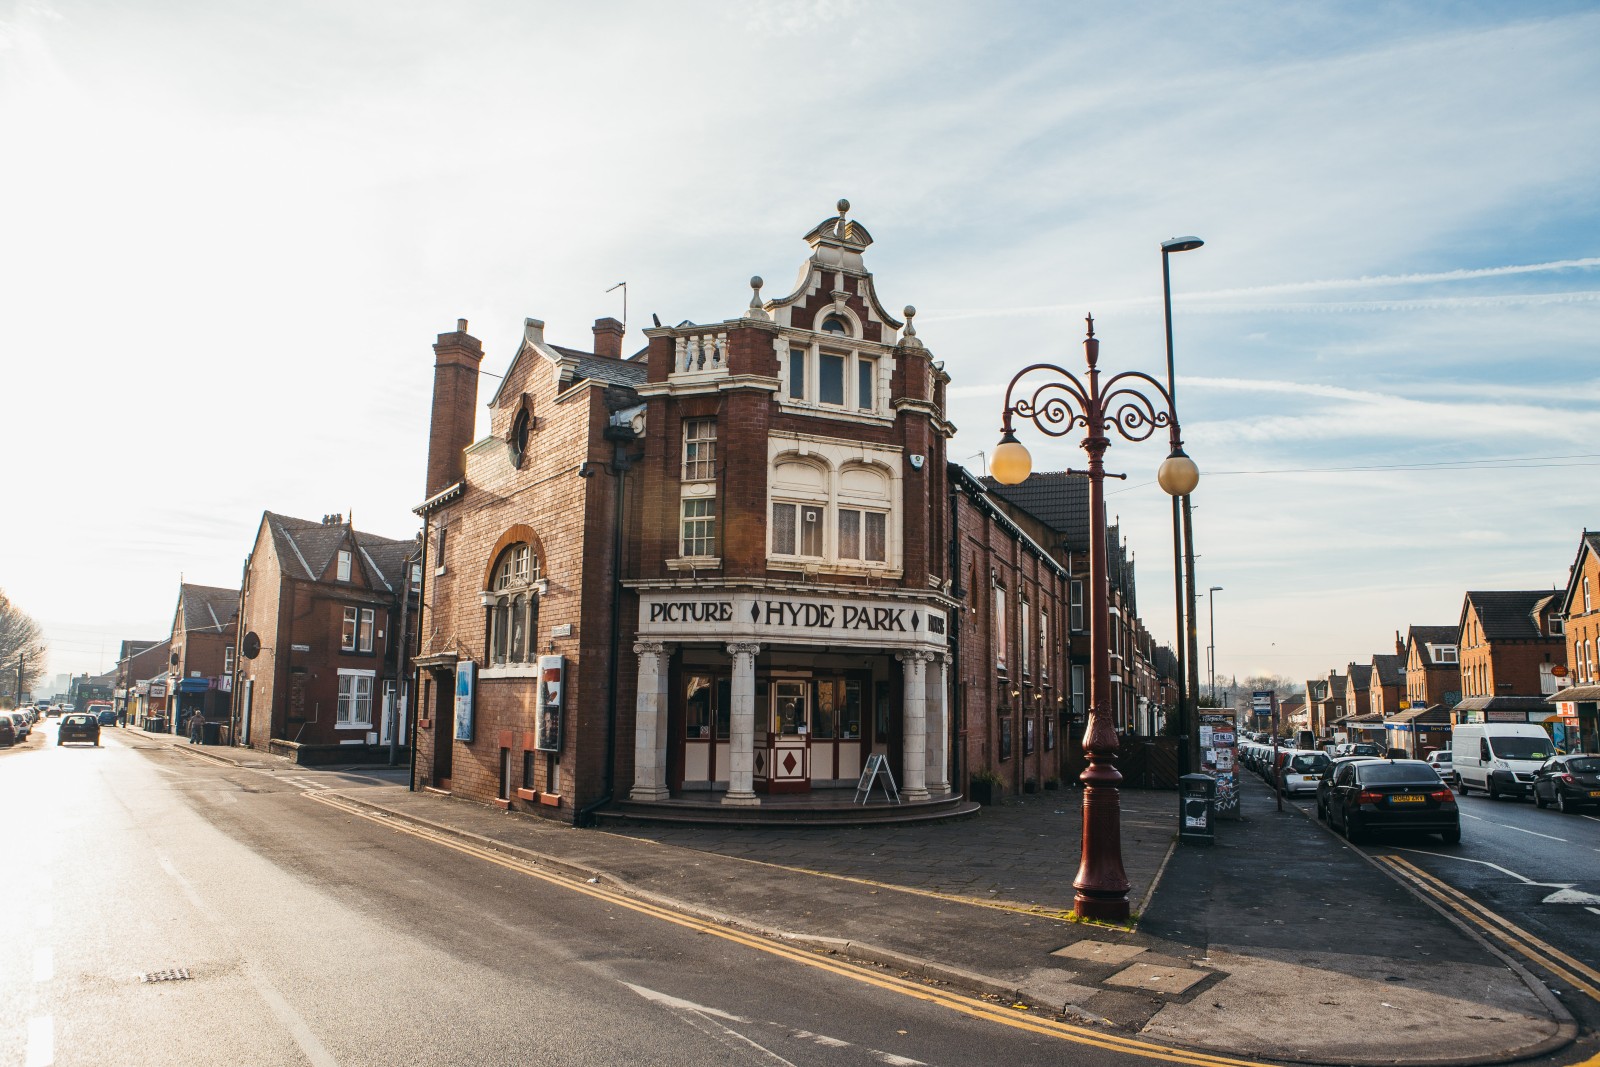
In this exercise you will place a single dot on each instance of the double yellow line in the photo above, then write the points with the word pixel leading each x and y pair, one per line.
pixel 973 1007
pixel 1546 956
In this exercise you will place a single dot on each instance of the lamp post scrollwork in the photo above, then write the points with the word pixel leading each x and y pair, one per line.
pixel 1135 406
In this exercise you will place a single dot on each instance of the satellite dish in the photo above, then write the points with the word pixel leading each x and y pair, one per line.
pixel 251 647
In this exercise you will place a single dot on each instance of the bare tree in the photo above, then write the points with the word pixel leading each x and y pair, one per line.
pixel 22 644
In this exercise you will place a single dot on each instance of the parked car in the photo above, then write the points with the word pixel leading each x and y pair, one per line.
pixel 19 723
pixel 78 726
pixel 106 717
pixel 53 710
pixel 1326 784
pixel 1442 764
pixel 1302 770
pixel 1500 758
pixel 8 731
pixel 1568 782
pixel 1369 796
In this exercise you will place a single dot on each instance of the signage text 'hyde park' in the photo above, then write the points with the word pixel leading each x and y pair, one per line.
pixel 800 615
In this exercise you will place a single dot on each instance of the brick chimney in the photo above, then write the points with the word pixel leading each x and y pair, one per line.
pixel 608 337
pixel 455 400
pixel 1399 645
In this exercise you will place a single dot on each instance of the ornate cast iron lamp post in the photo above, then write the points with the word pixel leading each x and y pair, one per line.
pixel 1058 407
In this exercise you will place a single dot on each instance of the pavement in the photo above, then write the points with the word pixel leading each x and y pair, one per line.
pixel 1278 941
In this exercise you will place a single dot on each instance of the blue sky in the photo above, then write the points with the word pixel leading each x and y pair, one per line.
pixel 239 229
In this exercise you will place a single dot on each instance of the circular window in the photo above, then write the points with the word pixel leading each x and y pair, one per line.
pixel 519 438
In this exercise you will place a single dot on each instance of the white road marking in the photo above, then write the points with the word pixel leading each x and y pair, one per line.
pixel 1474 818
pixel 1595 910
pixel 1565 893
pixel 696 1014
pixel 44 965
pixel 291 1020
pixel 1547 837
pixel 1569 895
pixel 41 1042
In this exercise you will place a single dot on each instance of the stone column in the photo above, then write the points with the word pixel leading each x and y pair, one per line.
pixel 938 714
pixel 914 733
pixel 650 723
pixel 742 725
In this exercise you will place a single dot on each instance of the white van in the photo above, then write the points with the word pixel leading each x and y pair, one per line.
pixel 1499 758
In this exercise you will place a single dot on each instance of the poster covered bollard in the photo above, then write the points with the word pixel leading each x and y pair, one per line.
pixel 1219 747
pixel 1197 797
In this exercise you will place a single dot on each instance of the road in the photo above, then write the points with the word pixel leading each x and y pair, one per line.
pixel 271 928
pixel 1529 880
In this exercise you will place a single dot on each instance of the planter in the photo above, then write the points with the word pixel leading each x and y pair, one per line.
pixel 987 793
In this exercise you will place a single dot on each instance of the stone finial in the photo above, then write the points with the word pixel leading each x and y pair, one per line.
pixel 910 313
pixel 756 310
pixel 844 207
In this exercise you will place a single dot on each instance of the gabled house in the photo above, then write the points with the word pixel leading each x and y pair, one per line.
pixel 1511 645
pixel 1433 666
pixel 1358 686
pixel 318 669
pixel 1388 682
pixel 1577 726
pixel 200 656
pixel 138 661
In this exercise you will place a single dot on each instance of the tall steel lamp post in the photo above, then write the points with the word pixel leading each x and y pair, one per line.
pixel 1057 407
pixel 1182 551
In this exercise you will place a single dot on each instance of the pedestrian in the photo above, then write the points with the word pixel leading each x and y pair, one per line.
pixel 195 727
pixel 122 717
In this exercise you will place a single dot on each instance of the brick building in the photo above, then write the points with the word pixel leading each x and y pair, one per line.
pixel 200 656
pixel 137 661
pixel 1511 644
pixel 318 626
pixel 1388 681
pixel 1433 666
pixel 1578 703
pixel 735 566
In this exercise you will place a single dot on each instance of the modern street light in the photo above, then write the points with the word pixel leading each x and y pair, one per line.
pixel 1182 552
pixel 1057 407
pixel 1211 651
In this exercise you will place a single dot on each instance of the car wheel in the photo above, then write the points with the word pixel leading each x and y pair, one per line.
pixel 1352 831
pixel 1461 787
pixel 1539 801
pixel 1563 805
pixel 1451 836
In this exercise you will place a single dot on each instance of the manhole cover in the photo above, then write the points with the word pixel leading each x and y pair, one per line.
pixel 174 974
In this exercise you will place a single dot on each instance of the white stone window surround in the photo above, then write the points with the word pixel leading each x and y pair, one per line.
pixel 845 473
pixel 853 349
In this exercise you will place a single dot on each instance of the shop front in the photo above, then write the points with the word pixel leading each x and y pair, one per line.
pixel 751 694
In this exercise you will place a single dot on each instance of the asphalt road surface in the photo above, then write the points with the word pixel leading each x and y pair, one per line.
pixel 166 910
pixel 1528 880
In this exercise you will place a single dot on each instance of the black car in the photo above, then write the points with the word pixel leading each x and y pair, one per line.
pixel 1326 784
pixel 1568 782
pixel 78 726
pixel 8 731
pixel 1373 795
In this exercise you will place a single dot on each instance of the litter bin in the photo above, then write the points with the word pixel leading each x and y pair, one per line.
pixel 1197 808
pixel 211 733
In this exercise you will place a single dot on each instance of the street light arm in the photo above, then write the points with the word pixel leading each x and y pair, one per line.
pixel 1055 415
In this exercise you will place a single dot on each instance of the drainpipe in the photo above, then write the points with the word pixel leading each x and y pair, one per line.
pixel 621 462
pixel 957 705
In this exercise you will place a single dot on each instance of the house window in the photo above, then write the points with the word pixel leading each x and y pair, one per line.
pixel 364 633
pixel 344 565
pixel 1586 607
pixel 438 550
pixel 833 379
pixel 1557 626
pixel 700 526
pixel 699 450
pixel 355 699
pixel 834 324
pixel 1000 627
pixel 866 383
pixel 1044 650
pixel 1444 653
pixel 1077 606
pixel 863 535
pixel 830 379
pixel 797 374
pixel 797 529
pixel 347 637
pixel 1080 709
pixel 227 660
pixel 1025 646
pixel 513 613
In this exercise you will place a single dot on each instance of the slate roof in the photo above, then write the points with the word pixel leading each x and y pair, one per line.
pixel 1508 703
pixel 1336 687
pixel 207 608
pixel 605 369
pixel 1391 668
pixel 1510 615
pixel 1436 635
pixel 1058 499
pixel 305 549
pixel 1360 675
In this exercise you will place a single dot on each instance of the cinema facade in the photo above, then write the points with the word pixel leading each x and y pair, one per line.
pixel 715 577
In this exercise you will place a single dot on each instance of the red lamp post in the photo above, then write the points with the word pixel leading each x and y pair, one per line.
pixel 1058 407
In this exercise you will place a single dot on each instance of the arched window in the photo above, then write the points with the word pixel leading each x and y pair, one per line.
pixel 513 616
pixel 834 324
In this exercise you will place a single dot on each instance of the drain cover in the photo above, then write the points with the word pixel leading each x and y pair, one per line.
pixel 175 974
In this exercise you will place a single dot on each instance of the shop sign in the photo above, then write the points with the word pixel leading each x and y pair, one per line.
pixel 158 690
pixel 1506 716
pixel 791 616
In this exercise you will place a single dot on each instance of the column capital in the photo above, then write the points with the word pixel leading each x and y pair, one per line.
pixel 651 648
pixel 914 655
pixel 743 648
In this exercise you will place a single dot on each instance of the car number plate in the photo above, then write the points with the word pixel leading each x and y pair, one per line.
pixel 1594 792
pixel 1406 798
